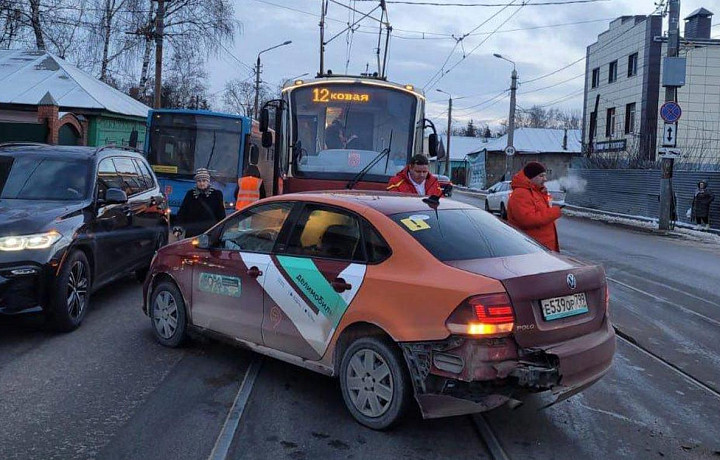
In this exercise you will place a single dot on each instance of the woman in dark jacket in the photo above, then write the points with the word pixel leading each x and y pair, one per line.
pixel 202 207
pixel 701 204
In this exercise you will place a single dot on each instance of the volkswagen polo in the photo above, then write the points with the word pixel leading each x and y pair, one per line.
pixel 399 298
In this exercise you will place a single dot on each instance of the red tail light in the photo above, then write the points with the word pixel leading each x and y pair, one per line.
pixel 485 315
pixel 607 300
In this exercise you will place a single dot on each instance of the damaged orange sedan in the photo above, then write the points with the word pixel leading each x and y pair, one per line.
pixel 401 299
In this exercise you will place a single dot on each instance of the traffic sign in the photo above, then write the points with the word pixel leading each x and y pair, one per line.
pixel 670 112
pixel 669 138
pixel 509 150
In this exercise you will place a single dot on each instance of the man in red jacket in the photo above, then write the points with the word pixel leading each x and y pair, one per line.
pixel 415 179
pixel 529 206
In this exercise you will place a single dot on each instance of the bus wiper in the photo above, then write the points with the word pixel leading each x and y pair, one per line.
pixel 212 151
pixel 358 177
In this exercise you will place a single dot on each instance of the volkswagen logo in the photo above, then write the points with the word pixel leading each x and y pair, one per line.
pixel 572 283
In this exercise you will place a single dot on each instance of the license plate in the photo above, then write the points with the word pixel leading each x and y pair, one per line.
pixel 561 307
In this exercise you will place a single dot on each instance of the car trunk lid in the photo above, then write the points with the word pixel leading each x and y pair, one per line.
pixel 529 279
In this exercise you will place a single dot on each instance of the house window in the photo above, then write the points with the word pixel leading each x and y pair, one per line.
pixel 630 118
pixel 632 64
pixel 595 77
pixel 612 72
pixel 610 123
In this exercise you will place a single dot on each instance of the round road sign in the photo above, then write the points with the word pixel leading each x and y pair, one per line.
pixel 509 150
pixel 670 112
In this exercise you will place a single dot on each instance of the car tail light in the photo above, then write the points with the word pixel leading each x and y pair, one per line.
pixel 483 315
pixel 607 300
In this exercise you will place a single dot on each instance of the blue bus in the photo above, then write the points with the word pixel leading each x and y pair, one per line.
pixel 178 142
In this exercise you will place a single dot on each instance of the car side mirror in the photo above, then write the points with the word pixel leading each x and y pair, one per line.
pixel 115 196
pixel 432 145
pixel 267 139
pixel 202 241
pixel 264 120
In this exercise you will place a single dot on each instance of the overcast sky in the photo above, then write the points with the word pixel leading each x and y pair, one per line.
pixel 553 36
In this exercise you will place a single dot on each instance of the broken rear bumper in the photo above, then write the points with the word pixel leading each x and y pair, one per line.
pixel 463 375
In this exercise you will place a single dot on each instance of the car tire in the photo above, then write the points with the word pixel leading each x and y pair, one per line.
pixel 168 315
pixel 503 211
pixel 141 273
pixel 487 206
pixel 380 398
pixel 71 294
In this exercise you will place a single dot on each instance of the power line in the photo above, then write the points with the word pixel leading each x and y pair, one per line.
pixel 554 85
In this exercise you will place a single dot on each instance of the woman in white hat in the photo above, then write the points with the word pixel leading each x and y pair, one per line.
pixel 202 206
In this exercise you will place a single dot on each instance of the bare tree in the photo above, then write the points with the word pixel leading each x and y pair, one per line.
pixel 36 25
pixel 239 96
pixel 185 85
pixel 10 23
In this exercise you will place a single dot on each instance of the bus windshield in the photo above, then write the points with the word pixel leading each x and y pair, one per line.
pixel 341 127
pixel 180 143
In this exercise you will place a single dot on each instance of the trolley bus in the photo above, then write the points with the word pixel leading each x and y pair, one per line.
pixel 337 132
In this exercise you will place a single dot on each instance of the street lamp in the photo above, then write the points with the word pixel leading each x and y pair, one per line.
pixel 511 119
pixel 449 131
pixel 257 74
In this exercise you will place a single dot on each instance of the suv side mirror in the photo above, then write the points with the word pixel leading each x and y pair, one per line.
pixel 432 145
pixel 264 120
pixel 115 196
pixel 267 139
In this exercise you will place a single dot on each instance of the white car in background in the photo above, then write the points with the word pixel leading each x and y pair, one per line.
pixel 497 197
pixel 496 200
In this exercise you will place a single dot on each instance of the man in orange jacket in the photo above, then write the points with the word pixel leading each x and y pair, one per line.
pixel 529 206
pixel 250 188
pixel 415 179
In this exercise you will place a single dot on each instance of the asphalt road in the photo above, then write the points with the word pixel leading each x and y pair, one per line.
pixel 108 390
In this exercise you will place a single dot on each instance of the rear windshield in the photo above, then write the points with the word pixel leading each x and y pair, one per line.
pixel 461 234
pixel 37 178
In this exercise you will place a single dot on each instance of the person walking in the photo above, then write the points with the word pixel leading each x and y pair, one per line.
pixel 250 188
pixel 202 207
pixel 529 207
pixel 415 179
pixel 701 205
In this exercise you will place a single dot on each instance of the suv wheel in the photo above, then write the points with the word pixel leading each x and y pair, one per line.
pixel 71 296
pixel 168 315
pixel 374 382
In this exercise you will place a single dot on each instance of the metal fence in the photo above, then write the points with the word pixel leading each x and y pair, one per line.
pixel 637 191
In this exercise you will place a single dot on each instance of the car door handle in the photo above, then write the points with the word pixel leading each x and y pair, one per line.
pixel 340 285
pixel 254 272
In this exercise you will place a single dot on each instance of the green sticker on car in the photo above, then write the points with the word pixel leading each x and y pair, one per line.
pixel 230 286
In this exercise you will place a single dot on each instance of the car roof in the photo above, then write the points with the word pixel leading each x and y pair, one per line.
pixel 387 203
pixel 68 151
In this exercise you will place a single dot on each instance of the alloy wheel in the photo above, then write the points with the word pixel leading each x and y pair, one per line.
pixel 165 314
pixel 77 290
pixel 369 383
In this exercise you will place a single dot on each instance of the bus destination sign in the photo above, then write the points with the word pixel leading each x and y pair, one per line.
pixel 326 95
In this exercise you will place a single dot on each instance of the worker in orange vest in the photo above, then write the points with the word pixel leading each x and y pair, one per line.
pixel 250 188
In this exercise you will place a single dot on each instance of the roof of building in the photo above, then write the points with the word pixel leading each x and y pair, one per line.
pixel 26 77
pixel 539 140
pixel 699 12
pixel 460 146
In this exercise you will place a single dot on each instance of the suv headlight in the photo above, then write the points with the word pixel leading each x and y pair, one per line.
pixel 34 241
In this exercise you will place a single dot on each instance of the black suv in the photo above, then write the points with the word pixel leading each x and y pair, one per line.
pixel 71 220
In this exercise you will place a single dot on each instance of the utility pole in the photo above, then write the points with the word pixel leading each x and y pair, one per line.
pixel 257 88
pixel 159 30
pixel 511 124
pixel 666 191
pixel 449 132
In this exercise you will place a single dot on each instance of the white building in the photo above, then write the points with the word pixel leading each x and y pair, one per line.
pixel 623 90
